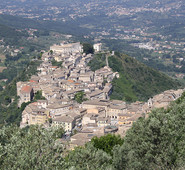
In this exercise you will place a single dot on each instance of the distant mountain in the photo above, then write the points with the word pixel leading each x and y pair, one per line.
pixel 137 81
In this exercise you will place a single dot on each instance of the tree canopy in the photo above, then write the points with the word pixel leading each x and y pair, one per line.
pixel 80 97
pixel 29 148
pixel 88 48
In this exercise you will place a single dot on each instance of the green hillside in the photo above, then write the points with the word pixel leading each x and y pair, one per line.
pixel 8 32
pixel 10 35
pixel 136 81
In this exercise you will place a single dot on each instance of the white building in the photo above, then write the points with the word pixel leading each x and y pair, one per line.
pixel 67 48
pixel 97 47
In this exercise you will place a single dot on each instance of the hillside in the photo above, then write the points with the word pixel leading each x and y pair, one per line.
pixel 137 81
pixel 8 32
pixel 22 23
pixel 10 35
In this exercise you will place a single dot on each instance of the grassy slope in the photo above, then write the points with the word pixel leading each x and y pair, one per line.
pixel 137 81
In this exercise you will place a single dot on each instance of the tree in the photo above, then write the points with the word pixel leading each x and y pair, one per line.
pixel 88 48
pixel 88 158
pixel 56 63
pixel 106 143
pixel 51 52
pixel 7 99
pixel 23 105
pixel 38 96
pixel 30 148
pixel 80 97
pixel 32 48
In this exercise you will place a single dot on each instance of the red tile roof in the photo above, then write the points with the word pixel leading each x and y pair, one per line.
pixel 33 81
pixel 54 67
pixel 71 81
pixel 26 89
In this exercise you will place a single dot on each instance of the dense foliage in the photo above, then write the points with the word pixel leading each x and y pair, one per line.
pixel 38 96
pixel 88 48
pixel 106 143
pixel 30 148
pixel 10 35
pixel 99 61
pixel 42 26
pixel 56 63
pixel 80 97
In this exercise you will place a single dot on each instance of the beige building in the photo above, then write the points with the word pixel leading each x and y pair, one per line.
pixel 114 110
pixel 86 77
pixel 162 100
pixel 97 94
pixel 89 118
pixel 57 109
pixel 64 121
pixel 34 114
pixel 95 104
pixel 103 121
pixel 128 120
pixel 38 118
pixel 123 117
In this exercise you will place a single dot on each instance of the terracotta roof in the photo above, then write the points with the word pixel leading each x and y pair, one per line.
pixel 26 89
pixel 70 81
pixel 54 67
pixel 33 81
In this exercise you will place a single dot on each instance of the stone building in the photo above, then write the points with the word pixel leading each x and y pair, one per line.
pixel 26 94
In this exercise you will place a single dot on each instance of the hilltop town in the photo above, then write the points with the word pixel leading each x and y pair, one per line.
pixel 78 99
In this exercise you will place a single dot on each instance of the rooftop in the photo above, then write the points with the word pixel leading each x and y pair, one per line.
pixel 26 89
pixel 64 118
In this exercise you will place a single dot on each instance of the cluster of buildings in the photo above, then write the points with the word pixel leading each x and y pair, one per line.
pixel 59 86
pixel 162 100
